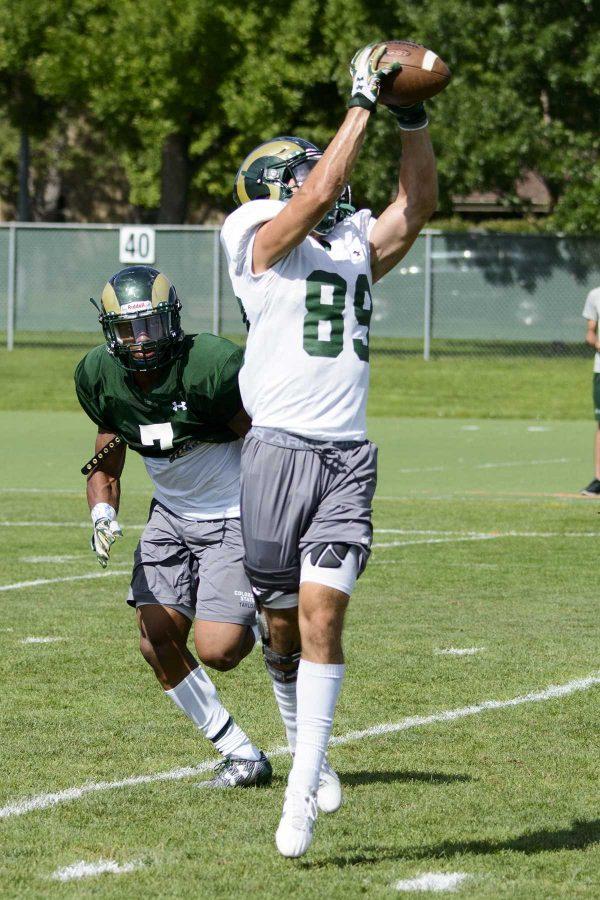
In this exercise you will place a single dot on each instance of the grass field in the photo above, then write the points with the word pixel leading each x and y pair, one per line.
pixel 481 544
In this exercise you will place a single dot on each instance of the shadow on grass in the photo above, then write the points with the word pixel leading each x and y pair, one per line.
pixel 357 778
pixel 580 834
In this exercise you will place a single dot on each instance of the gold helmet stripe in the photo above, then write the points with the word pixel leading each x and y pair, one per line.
pixel 109 299
pixel 282 149
pixel 160 289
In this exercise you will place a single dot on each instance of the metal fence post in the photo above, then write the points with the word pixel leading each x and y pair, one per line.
pixel 10 295
pixel 428 295
pixel 216 304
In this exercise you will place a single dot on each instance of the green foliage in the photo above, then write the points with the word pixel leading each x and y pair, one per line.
pixel 524 95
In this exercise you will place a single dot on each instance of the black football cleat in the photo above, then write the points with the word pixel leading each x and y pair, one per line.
pixel 235 772
pixel 592 490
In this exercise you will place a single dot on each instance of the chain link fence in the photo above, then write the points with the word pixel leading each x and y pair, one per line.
pixel 452 293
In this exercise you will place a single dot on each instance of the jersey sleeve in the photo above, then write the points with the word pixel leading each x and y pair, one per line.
pixel 239 229
pixel 237 238
pixel 87 387
pixel 592 301
pixel 210 378
pixel 226 400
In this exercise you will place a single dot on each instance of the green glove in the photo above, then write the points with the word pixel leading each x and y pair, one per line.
pixel 106 531
pixel 410 118
pixel 367 74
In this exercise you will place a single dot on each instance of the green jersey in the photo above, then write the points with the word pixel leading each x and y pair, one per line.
pixel 191 403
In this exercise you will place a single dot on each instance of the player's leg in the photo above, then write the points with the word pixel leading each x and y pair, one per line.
pixel 593 488
pixel 222 645
pixel 281 651
pixel 327 579
pixel 334 549
pixel 280 633
pixel 161 591
pixel 163 642
pixel 223 633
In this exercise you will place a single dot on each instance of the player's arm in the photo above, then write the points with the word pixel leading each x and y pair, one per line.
pixel 399 224
pixel 322 188
pixel 104 495
pixel 591 335
pixel 241 423
pixel 315 197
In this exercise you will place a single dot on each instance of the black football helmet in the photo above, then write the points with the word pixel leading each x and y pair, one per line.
pixel 140 318
pixel 269 170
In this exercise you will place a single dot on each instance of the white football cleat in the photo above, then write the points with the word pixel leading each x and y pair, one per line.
pixel 329 793
pixel 295 831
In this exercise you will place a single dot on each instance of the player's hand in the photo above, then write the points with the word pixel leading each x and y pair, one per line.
pixel 409 118
pixel 367 73
pixel 106 531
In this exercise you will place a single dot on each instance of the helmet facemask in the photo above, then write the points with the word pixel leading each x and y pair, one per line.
pixel 140 318
pixel 274 178
pixel 144 341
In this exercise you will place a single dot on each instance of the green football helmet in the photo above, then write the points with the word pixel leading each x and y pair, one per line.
pixel 140 318
pixel 269 170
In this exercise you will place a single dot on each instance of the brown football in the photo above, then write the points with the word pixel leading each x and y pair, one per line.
pixel 423 74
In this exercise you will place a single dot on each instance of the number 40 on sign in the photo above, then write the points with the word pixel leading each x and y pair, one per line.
pixel 137 244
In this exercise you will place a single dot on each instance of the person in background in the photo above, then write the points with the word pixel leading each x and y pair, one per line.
pixel 591 312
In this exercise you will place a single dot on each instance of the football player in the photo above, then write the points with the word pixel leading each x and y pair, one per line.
pixel 302 263
pixel 174 399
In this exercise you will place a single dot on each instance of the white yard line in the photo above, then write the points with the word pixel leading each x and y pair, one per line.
pixel 446 537
pixel 458 651
pixel 78 492
pixel 83 869
pixel 432 881
pixel 55 559
pixel 516 463
pixel 37 524
pixel 40 640
pixel 17 585
pixel 553 692
pixel 446 540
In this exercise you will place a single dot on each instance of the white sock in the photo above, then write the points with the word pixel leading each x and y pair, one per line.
pixel 317 691
pixel 285 694
pixel 197 697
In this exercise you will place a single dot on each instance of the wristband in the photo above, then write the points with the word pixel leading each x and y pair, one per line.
pixel 410 118
pixel 103 511
pixel 363 102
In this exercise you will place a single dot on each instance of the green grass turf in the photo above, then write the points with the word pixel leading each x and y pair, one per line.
pixel 508 796
pixel 461 380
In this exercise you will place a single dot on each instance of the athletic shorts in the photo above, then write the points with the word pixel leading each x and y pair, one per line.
pixel 296 493
pixel 196 567
pixel 597 396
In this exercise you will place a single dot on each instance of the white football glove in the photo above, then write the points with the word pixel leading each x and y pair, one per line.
pixel 106 531
pixel 367 74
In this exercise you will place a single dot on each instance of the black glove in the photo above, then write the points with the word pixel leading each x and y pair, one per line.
pixel 410 118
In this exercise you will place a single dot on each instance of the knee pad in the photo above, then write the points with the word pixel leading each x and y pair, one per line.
pixel 273 661
pixel 334 565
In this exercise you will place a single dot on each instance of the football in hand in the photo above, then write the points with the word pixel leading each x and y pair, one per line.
pixel 422 74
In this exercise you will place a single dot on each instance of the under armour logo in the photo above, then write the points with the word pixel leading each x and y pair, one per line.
pixel 176 405
pixel 356 253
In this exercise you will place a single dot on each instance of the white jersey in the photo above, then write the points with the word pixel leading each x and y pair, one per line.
pixel 591 311
pixel 306 366
pixel 202 485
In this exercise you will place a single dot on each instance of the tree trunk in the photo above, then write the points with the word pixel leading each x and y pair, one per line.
pixel 23 205
pixel 174 180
